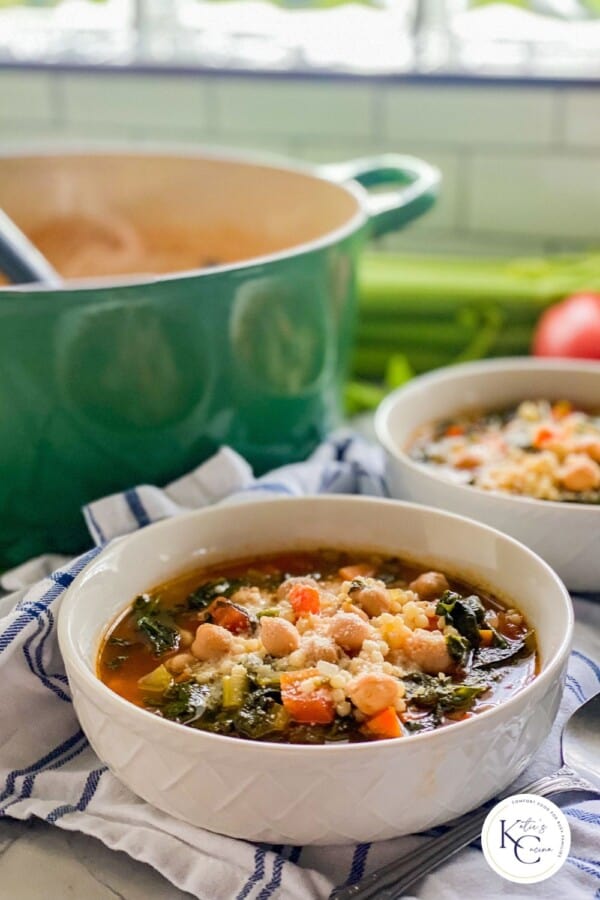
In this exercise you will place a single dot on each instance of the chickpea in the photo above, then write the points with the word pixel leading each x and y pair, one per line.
pixel 319 647
pixel 178 663
pixel 372 596
pixel 211 641
pixel 591 446
pixel 279 637
pixel 428 649
pixel 580 473
pixel 430 585
pixel 349 631
pixel 371 692
pixel 186 638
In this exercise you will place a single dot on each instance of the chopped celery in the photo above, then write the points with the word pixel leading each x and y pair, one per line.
pixel 268 679
pixel 235 688
pixel 156 682
pixel 271 612
pixel 437 311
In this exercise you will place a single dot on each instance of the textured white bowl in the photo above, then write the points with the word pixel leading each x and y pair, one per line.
pixel 566 535
pixel 314 794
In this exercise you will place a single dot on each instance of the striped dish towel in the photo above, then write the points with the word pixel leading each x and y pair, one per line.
pixel 48 770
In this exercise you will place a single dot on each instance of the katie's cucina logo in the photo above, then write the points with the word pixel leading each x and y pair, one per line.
pixel 525 838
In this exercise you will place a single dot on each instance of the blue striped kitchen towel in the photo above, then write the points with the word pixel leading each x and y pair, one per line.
pixel 48 770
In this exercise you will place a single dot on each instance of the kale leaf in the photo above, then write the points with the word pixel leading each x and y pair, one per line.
pixel 440 694
pixel 204 595
pixel 116 662
pixel 120 642
pixel 155 624
pixel 459 648
pixel 185 702
pixel 491 656
pixel 261 714
pixel 466 614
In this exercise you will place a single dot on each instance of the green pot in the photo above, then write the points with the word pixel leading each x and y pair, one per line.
pixel 117 381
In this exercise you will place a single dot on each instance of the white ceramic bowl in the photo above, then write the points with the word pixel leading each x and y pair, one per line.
pixel 314 794
pixel 566 535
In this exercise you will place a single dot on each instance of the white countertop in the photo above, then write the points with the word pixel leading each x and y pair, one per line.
pixel 41 862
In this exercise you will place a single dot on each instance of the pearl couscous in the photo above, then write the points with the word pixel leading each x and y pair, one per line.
pixel 548 451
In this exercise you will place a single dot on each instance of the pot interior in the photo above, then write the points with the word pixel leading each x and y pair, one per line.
pixel 110 214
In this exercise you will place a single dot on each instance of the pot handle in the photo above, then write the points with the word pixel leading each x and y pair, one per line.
pixel 390 210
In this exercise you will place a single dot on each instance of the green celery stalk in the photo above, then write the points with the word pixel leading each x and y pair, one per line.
pixel 387 281
pixel 443 336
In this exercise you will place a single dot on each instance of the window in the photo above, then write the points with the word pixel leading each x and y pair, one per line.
pixel 366 36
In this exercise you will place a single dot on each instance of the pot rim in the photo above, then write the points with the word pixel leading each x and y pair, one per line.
pixel 184 151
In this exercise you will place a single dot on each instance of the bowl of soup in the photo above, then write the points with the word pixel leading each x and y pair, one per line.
pixel 255 669
pixel 514 443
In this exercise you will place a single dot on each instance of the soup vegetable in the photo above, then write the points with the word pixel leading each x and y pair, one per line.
pixel 319 646
pixel 549 451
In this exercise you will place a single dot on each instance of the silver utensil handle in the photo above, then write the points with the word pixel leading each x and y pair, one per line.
pixel 389 882
pixel 20 260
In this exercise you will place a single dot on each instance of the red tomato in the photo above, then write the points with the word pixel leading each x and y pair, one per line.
pixel 570 328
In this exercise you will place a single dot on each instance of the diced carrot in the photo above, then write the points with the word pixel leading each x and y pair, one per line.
pixel 229 616
pixel 486 635
pixel 385 724
pixel 467 459
pixel 543 436
pixel 455 430
pixel 304 599
pixel 360 570
pixel 311 708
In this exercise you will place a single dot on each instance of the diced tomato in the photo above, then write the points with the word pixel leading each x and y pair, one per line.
pixel 311 708
pixel 360 570
pixel 304 599
pixel 510 630
pixel 455 430
pixel 229 616
pixel 385 724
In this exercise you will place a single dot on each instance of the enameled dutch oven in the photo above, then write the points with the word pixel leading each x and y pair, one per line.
pixel 113 381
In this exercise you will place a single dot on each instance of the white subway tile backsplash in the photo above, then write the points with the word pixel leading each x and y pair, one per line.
pixel 21 135
pixel 294 108
pixel 156 103
pixel 275 147
pixel 26 97
pixel 582 118
pixel 469 115
pixel 520 174
pixel 549 195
